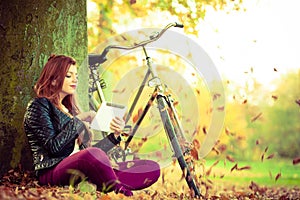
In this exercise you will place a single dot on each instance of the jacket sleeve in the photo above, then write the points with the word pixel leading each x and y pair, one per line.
pixel 108 142
pixel 40 120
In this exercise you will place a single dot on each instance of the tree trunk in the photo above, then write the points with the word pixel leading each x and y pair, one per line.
pixel 30 30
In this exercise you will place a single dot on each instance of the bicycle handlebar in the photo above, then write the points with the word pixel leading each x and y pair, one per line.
pixel 101 58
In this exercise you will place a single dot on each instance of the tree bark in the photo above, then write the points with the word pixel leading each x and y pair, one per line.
pixel 30 30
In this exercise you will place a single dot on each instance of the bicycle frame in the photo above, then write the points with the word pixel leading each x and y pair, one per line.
pixel 166 108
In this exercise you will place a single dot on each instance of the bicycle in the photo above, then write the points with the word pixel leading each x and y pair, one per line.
pixel 168 114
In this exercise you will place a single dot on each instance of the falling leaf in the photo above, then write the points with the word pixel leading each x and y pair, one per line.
pixel 136 117
pixel 256 117
pixel 263 155
pixel 222 147
pixel 297 101
pixel 271 156
pixel 270 174
pixel 227 131
pixel 257 142
pixel 244 168
pixel 159 154
pixel 175 103
pixel 220 108
pixel 196 131
pixel 216 96
pixel 245 101
pixel 275 70
pixel 132 2
pixel 119 91
pixel 215 150
pixel 204 130
pixel 274 97
pixel 296 160
pixel 194 153
pixel 277 176
pixel 234 167
pixel 231 159
pixel 196 144
pixel 211 167
pixel 266 149
pixel 156 126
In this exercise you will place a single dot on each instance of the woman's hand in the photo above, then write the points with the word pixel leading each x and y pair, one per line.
pixel 117 125
pixel 87 116
pixel 82 138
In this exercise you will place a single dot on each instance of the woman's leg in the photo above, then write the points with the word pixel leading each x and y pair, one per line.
pixel 138 174
pixel 93 163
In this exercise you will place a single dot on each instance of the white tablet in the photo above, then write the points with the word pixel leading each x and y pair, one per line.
pixel 105 114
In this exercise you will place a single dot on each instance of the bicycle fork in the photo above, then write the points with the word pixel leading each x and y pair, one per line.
pixel 171 131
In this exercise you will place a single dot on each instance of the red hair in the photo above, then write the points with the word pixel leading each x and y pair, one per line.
pixel 51 81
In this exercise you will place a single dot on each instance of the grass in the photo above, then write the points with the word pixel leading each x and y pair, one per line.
pixel 268 173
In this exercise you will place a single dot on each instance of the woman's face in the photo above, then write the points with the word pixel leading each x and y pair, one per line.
pixel 70 82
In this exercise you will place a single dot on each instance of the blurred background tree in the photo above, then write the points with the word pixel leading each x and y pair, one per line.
pixel 112 15
pixel 256 117
pixel 279 128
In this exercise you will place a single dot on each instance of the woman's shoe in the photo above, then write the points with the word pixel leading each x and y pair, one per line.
pixel 119 188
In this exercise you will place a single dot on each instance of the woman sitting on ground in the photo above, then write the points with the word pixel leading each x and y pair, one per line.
pixel 60 140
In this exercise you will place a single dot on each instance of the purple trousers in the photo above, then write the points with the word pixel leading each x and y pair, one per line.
pixel 95 164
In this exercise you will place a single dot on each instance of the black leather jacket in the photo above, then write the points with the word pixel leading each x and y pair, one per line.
pixel 52 134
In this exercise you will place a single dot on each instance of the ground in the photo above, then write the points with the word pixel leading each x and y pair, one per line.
pixel 17 184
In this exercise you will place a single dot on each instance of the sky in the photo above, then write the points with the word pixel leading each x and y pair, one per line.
pixel 264 37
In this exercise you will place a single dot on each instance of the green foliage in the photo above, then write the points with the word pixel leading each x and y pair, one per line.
pixel 281 128
pixel 112 13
